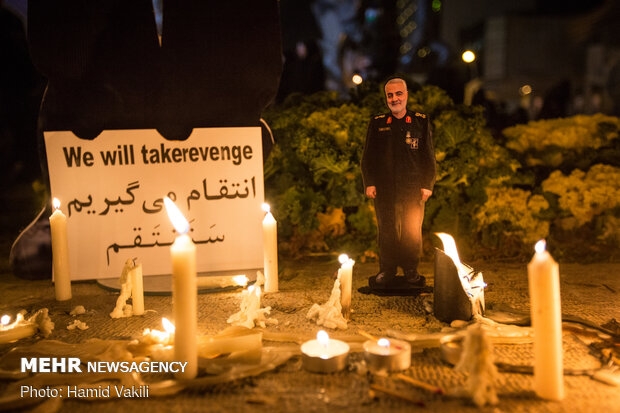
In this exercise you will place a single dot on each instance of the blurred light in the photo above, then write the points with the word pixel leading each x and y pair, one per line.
pixel 468 56
pixel 423 52
pixel 357 79
pixel 383 342
pixel 371 14
pixel 323 338
pixel 436 5
pixel 525 90
pixel 168 326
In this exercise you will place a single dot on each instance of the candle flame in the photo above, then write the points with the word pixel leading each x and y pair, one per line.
pixel 258 291
pixel 322 338
pixel 168 326
pixel 56 203
pixel 449 247
pixel 250 288
pixel 540 246
pixel 266 207
pixel 178 220
pixel 240 280
pixel 384 342
pixel 5 320
pixel 343 258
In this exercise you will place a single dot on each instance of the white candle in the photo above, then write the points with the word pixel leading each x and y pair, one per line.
pixel 324 355
pixel 345 273
pixel 20 328
pixel 385 355
pixel 184 293
pixel 60 253
pixel 544 282
pixel 270 246
pixel 137 290
pixel 223 281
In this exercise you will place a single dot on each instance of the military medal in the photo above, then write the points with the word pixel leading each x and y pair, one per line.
pixel 412 142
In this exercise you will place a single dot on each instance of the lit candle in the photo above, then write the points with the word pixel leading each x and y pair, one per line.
pixel 20 328
pixel 137 290
pixel 270 246
pixel 345 273
pixel 385 355
pixel 60 253
pixel 184 293
pixel 544 281
pixel 223 281
pixel 324 355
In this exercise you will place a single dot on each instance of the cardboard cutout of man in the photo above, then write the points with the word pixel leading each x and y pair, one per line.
pixel 398 168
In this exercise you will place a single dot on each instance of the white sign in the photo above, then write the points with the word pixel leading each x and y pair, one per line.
pixel 112 188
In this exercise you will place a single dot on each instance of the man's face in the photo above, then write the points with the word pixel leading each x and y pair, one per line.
pixel 396 97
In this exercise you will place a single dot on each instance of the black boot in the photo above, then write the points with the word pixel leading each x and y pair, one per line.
pixel 414 279
pixel 383 279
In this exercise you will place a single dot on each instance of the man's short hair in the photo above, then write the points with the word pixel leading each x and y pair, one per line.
pixel 395 80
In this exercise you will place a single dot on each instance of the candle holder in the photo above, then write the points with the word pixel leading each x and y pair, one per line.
pixel 324 355
pixel 385 355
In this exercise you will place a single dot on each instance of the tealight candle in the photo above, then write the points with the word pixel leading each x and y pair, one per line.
pixel 270 245
pixel 60 253
pixel 385 355
pixel 184 293
pixel 345 273
pixel 324 355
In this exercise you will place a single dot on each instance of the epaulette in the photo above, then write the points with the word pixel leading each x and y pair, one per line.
pixel 422 115
pixel 380 116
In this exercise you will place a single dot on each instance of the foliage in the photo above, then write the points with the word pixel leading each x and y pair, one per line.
pixel 500 199
pixel 583 197
pixel 566 143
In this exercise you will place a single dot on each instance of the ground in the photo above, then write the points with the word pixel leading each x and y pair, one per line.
pixel 589 291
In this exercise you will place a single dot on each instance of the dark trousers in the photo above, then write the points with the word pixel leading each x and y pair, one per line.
pixel 399 222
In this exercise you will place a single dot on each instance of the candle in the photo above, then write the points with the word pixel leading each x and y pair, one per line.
pixel 223 281
pixel 270 246
pixel 184 293
pixel 250 313
pixel 20 328
pixel 137 290
pixel 385 355
pixel 345 273
pixel 544 282
pixel 324 355
pixel 60 253
pixel 231 340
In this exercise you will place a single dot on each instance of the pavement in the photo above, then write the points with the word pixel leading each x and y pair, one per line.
pixel 588 291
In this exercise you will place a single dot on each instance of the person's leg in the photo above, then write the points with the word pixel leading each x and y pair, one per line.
pixel 411 240
pixel 387 238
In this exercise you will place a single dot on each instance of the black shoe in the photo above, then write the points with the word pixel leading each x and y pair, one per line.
pixel 414 279
pixel 382 280
pixel 31 253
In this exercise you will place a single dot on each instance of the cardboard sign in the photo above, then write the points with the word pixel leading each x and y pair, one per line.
pixel 112 188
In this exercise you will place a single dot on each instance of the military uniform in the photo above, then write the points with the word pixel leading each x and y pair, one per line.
pixel 399 160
